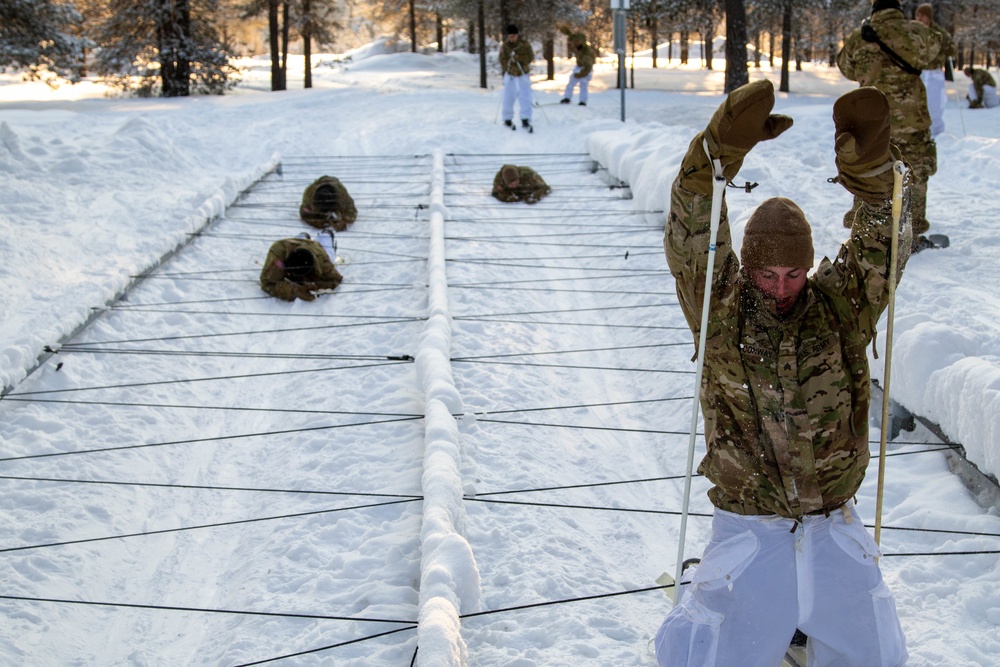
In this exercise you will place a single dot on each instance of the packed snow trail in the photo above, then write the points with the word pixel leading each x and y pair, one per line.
pixel 579 267
pixel 256 476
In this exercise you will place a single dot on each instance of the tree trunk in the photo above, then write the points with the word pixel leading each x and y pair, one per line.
pixel 786 45
pixel 736 45
pixel 273 43
pixel 285 29
pixel 504 15
pixel 307 44
pixel 482 45
pixel 440 32
pixel 708 46
pixel 470 34
pixel 684 47
pixel 413 27
pixel 549 53
pixel 654 27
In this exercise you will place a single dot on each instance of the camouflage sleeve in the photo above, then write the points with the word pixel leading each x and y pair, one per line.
pixel 948 47
pixel 526 57
pixel 348 211
pixel 504 57
pixel 585 61
pixel 857 283
pixel 845 57
pixel 685 242
pixel 272 281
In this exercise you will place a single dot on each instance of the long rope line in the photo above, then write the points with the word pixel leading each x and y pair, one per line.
pixel 203 487
pixel 218 408
pixel 208 610
pixel 220 524
pixel 194 441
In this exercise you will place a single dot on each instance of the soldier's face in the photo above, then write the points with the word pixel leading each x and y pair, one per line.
pixel 784 284
pixel 923 18
pixel 512 37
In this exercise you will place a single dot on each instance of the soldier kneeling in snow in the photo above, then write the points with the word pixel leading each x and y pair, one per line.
pixel 513 183
pixel 326 203
pixel 785 396
pixel 298 268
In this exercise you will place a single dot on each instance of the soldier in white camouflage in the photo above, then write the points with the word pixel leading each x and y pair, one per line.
pixel 785 396
pixel 916 47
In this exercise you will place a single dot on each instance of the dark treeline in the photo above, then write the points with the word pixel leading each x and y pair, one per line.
pixel 184 47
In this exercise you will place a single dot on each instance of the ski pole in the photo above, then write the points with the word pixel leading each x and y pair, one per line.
pixel 958 98
pixel 898 170
pixel 718 189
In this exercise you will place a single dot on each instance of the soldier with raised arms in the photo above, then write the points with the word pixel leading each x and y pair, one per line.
pixel 785 397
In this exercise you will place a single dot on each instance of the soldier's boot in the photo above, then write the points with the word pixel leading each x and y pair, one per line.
pixel 564 100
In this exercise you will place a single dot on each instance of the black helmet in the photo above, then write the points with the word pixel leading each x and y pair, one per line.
pixel 299 263
pixel 325 198
pixel 511 29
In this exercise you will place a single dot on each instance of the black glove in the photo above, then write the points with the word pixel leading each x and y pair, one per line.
pixel 864 158
pixel 739 124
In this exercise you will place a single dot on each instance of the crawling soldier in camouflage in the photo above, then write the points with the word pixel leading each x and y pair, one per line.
pixel 918 48
pixel 296 268
pixel 513 183
pixel 326 203
pixel 982 90
pixel 785 398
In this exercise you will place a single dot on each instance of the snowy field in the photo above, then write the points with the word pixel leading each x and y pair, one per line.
pixel 487 419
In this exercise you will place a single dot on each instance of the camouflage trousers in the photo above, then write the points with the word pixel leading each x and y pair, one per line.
pixel 920 153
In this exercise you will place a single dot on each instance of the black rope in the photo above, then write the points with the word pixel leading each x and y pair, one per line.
pixel 238 355
pixel 220 524
pixel 193 441
pixel 326 648
pixel 574 324
pixel 621 369
pixel 536 281
pixel 206 610
pixel 566 310
pixel 233 408
pixel 391 320
pixel 549 603
pixel 592 349
pixel 201 379
pixel 200 487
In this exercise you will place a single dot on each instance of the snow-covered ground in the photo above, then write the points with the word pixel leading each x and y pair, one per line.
pixel 94 190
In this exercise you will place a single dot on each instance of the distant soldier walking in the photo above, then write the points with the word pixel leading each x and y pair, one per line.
pixel 933 78
pixel 516 56
pixel 888 52
pixel 584 69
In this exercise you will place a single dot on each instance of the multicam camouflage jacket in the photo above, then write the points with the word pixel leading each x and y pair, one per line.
pixel 339 216
pixel 516 57
pixel 785 401
pixel 948 47
pixel 274 281
pixel 530 188
pixel 866 63
pixel 584 54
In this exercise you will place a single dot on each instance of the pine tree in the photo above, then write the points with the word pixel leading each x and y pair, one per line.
pixel 162 47
pixel 40 36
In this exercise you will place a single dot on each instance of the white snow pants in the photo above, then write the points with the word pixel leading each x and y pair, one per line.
pixel 516 87
pixel 584 82
pixel 758 581
pixel 990 99
pixel 937 98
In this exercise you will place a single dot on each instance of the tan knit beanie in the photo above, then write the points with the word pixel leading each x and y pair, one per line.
pixel 777 234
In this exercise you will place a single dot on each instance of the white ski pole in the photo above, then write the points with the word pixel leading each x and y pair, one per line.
pixel 718 189
pixel 898 170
